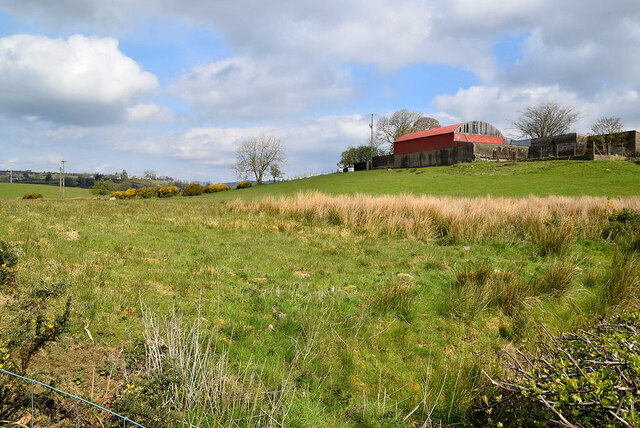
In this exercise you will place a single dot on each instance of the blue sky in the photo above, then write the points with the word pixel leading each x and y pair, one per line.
pixel 175 86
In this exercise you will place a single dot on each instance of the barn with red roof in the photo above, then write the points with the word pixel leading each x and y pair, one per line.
pixel 461 134
pixel 462 142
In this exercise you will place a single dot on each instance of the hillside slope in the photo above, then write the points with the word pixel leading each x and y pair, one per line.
pixel 16 190
pixel 566 178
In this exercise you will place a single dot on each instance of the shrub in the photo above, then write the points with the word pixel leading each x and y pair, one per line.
pixel 243 185
pixel 212 188
pixel 147 192
pixel 193 190
pixel 622 224
pixel 129 194
pixel 117 195
pixel 168 191
pixel 32 196
pixel 104 187
pixel 585 379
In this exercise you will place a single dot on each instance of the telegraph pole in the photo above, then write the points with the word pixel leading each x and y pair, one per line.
pixel 371 140
pixel 62 179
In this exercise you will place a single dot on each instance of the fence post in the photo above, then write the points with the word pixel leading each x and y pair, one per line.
pixel 32 415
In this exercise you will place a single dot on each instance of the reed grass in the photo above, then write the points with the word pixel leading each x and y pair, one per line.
pixel 550 223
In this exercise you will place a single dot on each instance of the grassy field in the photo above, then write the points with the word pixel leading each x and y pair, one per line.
pixel 471 179
pixel 17 190
pixel 319 310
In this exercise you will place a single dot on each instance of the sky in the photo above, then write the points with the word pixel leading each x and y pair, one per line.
pixel 175 86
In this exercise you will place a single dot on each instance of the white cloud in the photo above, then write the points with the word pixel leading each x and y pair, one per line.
pixel 242 88
pixel 81 80
pixel 149 113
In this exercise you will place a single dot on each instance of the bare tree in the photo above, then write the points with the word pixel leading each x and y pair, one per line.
pixel 402 122
pixel 607 125
pixel 257 154
pixel 545 120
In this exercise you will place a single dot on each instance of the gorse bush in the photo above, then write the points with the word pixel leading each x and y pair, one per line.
pixel 585 379
pixel 147 192
pixel 117 195
pixel 32 196
pixel 129 194
pixel 168 191
pixel 193 190
pixel 243 185
pixel 212 188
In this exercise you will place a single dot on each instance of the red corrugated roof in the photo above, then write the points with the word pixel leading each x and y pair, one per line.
pixel 430 132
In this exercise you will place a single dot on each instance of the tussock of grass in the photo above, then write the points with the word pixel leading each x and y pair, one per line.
pixel 476 288
pixel 558 276
pixel 623 286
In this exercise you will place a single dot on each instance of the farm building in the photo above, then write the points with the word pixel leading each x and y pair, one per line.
pixel 463 142
pixel 461 134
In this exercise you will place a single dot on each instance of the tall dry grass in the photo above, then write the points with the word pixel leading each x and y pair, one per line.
pixel 542 220
pixel 212 392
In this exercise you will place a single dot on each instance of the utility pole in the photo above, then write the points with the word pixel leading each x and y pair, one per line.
pixel 371 139
pixel 10 176
pixel 62 179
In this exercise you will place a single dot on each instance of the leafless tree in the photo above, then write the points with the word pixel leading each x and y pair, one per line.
pixel 256 155
pixel 388 129
pixel 607 125
pixel 545 120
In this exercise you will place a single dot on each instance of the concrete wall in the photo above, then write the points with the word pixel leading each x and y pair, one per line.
pixel 488 151
pixel 580 146
pixel 567 145
pixel 437 157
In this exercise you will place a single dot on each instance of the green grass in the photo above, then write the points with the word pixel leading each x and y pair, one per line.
pixel 17 190
pixel 566 178
pixel 379 344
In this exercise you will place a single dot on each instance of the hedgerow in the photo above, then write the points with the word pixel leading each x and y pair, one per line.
pixel 590 378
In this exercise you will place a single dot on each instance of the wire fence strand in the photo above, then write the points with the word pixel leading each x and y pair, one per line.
pixel 124 419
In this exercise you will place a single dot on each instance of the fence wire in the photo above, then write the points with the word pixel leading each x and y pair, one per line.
pixel 124 419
